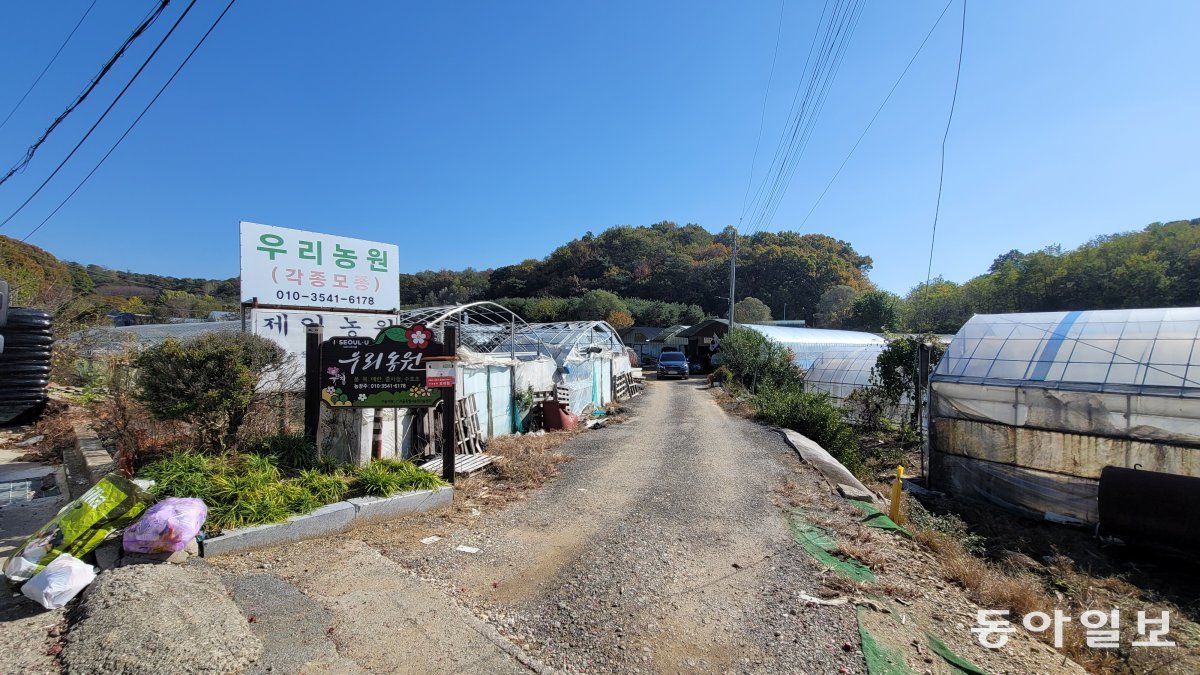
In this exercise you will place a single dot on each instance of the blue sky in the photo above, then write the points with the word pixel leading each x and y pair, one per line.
pixel 483 133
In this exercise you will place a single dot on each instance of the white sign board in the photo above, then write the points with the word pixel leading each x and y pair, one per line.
pixel 288 329
pixel 307 269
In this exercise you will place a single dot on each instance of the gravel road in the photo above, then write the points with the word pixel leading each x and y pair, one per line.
pixel 659 549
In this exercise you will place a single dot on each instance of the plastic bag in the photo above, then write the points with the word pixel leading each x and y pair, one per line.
pixel 166 527
pixel 59 581
pixel 79 527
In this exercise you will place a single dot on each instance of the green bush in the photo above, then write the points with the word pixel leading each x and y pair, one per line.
pixel 758 362
pixel 722 376
pixel 324 486
pixel 292 451
pixel 894 374
pixel 384 477
pixel 813 415
pixel 244 490
pixel 207 381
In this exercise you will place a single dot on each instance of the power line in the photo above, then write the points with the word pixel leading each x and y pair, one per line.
pixel 133 124
pixel 942 173
pixel 145 24
pixel 877 111
pixel 795 97
pixel 52 60
pixel 102 116
pixel 763 115
pixel 839 29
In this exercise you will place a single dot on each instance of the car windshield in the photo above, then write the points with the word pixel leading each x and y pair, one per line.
pixel 673 357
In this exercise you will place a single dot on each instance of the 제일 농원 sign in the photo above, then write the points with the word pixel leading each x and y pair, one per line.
pixel 295 268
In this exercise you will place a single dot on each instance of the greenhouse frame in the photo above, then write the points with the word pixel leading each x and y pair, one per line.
pixel 1028 410
pixel 588 355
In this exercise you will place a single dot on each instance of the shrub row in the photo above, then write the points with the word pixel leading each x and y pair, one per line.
pixel 250 489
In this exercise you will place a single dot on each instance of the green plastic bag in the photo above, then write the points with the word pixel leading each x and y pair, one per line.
pixel 79 527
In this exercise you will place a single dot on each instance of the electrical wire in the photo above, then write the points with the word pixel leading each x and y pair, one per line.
pixel 942 173
pixel 102 116
pixel 876 115
pixel 52 60
pixel 133 124
pixel 141 28
pixel 762 117
pixel 816 83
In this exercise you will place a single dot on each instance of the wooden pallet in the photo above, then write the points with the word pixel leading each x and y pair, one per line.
pixel 463 464
pixel 468 437
pixel 621 386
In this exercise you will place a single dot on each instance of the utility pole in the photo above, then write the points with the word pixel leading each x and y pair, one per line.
pixel 732 277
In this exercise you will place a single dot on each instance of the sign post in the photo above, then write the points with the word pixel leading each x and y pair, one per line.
pixel 312 382
pixel 449 443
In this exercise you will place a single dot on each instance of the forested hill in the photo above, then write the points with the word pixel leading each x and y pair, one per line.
pixel 1158 266
pixel 666 262
pixel 665 273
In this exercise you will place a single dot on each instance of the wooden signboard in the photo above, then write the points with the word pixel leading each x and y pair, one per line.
pixel 387 371
pixel 390 370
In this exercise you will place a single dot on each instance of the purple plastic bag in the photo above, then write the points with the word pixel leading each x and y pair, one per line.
pixel 166 527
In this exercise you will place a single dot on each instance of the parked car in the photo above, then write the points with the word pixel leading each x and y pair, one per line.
pixel 672 364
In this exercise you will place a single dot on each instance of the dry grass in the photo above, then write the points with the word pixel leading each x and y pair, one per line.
pixel 1022 585
pixel 867 555
pixel 895 589
pixel 529 460
pixel 55 426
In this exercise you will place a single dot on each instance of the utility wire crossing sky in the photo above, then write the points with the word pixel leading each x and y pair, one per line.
pixel 514 128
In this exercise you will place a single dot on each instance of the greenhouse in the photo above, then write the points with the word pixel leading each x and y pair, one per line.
pixel 840 373
pixel 589 355
pixel 1028 410
pixel 809 344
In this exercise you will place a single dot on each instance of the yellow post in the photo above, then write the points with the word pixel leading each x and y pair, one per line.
pixel 897 491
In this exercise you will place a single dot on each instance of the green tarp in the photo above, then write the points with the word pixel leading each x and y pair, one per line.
pixel 821 546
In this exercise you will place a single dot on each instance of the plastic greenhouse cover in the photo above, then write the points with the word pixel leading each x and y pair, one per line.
pixel 809 344
pixel 1150 351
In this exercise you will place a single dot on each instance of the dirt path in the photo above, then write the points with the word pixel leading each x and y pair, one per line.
pixel 658 549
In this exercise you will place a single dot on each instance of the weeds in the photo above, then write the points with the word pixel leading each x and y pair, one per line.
pixel 291 451
pixel 252 489
pixel 383 477
pixel 813 415
pixel 528 460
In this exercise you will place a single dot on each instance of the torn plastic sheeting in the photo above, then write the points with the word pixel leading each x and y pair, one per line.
pixel 881 660
pixel 821 546
pixel 878 519
pixel 958 663
pixel 1016 488
pixel 833 471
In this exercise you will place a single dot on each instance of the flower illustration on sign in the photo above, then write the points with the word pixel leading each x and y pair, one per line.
pixel 332 371
pixel 362 397
pixel 418 336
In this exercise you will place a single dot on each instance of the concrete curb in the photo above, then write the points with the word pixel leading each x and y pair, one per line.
pixel 837 475
pixel 374 509
pixel 330 519
pixel 87 461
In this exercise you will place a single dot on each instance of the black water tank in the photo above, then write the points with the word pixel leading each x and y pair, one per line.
pixel 24 365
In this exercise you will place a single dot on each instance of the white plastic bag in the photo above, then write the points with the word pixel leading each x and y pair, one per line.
pixel 59 581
